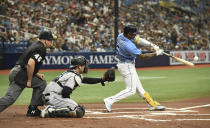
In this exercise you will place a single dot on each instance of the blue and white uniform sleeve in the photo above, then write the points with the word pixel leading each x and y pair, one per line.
pixel 132 49
pixel 126 49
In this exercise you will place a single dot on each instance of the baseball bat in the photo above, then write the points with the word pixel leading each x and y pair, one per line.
pixel 180 60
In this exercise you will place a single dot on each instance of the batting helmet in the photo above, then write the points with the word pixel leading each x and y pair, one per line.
pixel 130 29
pixel 46 35
pixel 79 61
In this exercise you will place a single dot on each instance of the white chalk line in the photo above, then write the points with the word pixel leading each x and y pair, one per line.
pixel 178 109
pixel 144 109
pixel 192 119
pixel 127 116
pixel 201 106
pixel 175 114
pixel 167 113
pixel 141 115
pixel 121 109
pixel 111 113
pixel 113 109
pixel 146 119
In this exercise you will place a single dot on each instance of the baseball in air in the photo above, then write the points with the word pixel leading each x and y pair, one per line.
pixel 195 58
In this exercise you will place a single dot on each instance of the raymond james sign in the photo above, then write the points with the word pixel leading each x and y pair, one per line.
pixel 63 60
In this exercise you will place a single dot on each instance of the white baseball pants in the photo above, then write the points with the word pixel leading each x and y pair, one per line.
pixel 132 82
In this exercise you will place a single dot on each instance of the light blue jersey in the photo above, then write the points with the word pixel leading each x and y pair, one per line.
pixel 126 49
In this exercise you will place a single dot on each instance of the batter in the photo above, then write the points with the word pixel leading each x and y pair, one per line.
pixel 127 53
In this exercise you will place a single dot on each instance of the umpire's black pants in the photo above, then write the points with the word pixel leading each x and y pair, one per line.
pixel 15 90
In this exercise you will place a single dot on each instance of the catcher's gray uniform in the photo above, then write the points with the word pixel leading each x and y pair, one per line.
pixel 56 94
pixel 53 92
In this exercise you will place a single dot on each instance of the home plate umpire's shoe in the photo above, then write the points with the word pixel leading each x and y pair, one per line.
pixel 107 104
pixel 33 111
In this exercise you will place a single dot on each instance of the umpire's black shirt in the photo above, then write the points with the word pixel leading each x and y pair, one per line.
pixel 37 52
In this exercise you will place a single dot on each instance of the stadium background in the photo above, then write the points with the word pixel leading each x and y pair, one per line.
pixel 90 27
pixel 87 27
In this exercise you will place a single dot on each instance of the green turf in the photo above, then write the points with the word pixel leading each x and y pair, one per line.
pixel 163 85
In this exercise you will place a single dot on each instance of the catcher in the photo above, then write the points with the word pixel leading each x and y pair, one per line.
pixel 57 94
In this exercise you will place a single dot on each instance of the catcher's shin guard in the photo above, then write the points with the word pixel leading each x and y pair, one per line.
pixel 80 111
pixel 154 105
pixel 51 111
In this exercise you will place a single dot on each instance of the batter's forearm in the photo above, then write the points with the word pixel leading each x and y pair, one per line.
pixel 147 55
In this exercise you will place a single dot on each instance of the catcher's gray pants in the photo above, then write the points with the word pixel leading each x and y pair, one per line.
pixel 59 102
pixel 15 90
pixel 55 99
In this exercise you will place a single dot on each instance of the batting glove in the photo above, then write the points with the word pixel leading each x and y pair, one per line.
pixel 159 52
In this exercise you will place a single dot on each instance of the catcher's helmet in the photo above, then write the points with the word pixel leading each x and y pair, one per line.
pixel 130 29
pixel 79 61
pixel 46 35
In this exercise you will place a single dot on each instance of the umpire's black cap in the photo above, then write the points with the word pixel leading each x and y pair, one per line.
pixel 130 29
pixel 46 35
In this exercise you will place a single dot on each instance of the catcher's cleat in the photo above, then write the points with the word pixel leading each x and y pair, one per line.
pixel 45 112
pixel 107 105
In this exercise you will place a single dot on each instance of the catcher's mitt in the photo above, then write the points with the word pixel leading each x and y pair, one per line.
pixel 109 76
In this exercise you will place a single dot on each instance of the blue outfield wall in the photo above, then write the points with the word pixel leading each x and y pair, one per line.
pixel 97 60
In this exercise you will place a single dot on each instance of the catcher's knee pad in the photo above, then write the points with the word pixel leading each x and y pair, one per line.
pixel 80 111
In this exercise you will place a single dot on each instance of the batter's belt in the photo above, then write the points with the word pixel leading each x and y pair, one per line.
pixel 124 62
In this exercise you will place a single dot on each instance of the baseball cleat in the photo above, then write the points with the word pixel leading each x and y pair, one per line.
pixel 107 104
pixel 33 111
pixel 157 108
pixel 45 111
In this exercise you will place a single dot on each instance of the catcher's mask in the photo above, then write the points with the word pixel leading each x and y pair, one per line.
pixel 79 61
